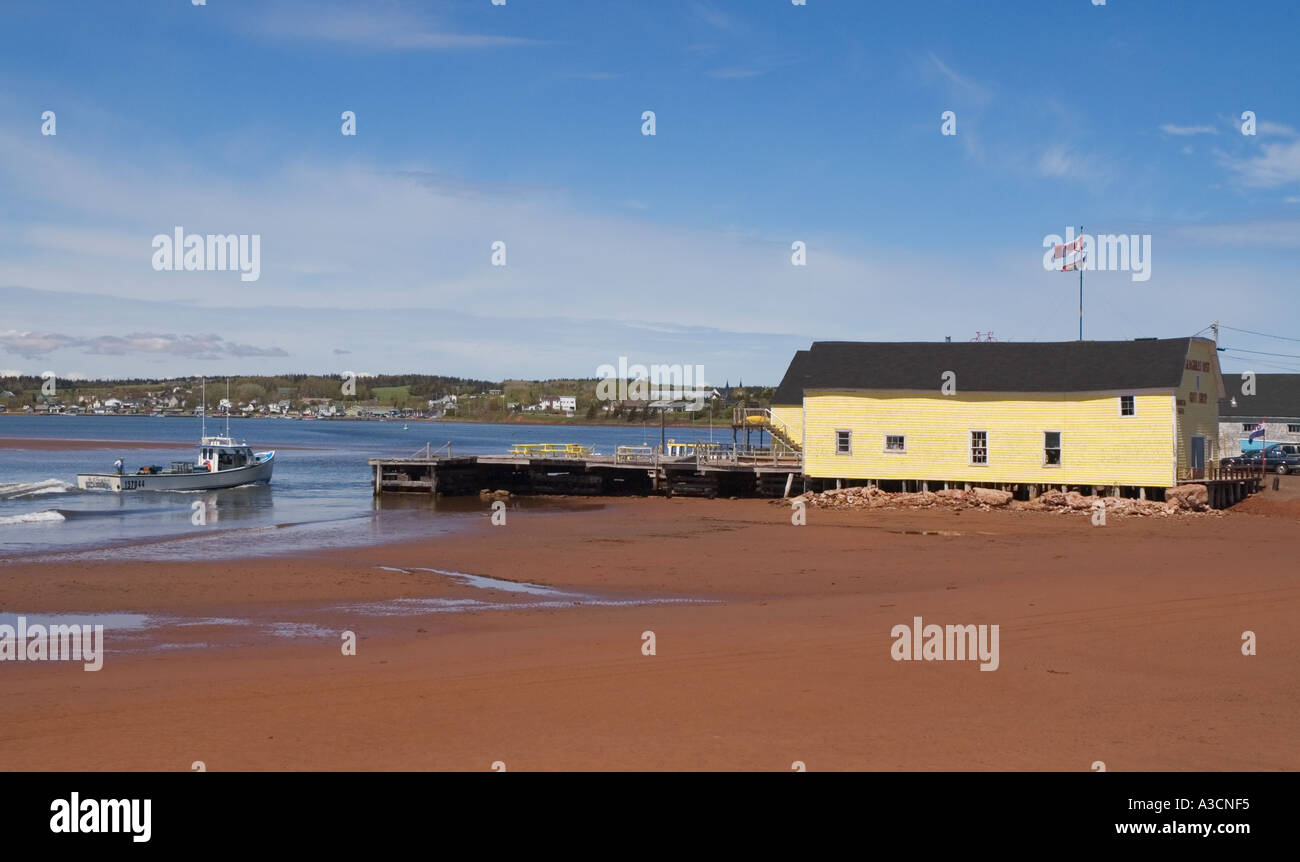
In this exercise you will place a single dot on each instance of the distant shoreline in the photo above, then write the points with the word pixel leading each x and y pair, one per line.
pixel 559 422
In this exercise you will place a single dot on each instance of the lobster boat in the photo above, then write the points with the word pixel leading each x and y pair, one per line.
pixel 222 463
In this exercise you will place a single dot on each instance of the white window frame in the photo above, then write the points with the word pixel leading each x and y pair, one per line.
pixel 970 450
pixel 889 451
pixel 1248 426
pixel 1122 415
pixel 1292 428
pixel 1060 447
pixel 838 432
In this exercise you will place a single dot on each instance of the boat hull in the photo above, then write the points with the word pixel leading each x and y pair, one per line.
pixel 249 475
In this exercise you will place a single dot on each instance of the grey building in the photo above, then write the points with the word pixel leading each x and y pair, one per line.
pixel 1276 402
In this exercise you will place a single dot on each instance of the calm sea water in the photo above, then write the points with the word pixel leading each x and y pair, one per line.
pixel 319 497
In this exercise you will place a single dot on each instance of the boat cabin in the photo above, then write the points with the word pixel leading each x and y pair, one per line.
pixel 223 453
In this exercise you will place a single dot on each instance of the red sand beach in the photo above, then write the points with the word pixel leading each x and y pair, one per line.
pixel 1119 643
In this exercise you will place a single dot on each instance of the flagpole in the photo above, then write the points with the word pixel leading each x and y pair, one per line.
pixel 1263 450
pixel 1081 285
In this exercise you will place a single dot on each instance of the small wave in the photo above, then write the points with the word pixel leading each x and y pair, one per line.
pixel 48 516
pixel 14 490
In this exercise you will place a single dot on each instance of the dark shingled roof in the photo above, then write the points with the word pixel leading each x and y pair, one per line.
pixel 791 389
pixel 1004 366
pixel 1277 396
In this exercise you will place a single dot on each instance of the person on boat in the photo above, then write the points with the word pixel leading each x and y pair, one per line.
pixel 117 465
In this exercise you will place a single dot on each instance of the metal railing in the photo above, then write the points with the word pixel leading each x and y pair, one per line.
pixel 550 450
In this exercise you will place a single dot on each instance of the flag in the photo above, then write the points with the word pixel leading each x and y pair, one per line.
pixel 1072 252
pixel 1257 431
pixel 1077 263
pixel 1060 249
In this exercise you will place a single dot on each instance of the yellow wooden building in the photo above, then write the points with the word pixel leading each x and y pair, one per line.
pixel 1126 414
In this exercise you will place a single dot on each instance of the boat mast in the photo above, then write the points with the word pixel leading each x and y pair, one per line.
pixel 227 406
pixel 203 429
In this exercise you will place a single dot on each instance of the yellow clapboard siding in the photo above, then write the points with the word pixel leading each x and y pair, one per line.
pixel 792 416
pixel 1195 417
pixel 1099 446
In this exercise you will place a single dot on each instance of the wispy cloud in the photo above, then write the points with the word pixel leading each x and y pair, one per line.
pixel 1059 160
pixel 734 72
pixel 371 27
pixel 1172 129
pixel 1281 130
pixel 1259 234
pixel 34 345
pixel 965 91
pixel 1278 165
pixel 713 16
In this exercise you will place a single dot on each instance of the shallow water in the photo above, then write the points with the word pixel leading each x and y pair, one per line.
pixel 320 495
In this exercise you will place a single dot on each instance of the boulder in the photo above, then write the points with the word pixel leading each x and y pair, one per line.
pixel 991 496
pixel 1193 497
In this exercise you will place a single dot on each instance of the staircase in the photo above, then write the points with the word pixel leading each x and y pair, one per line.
pixel 783 436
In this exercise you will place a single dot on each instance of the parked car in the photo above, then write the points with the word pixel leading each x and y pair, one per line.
pixel 1279 458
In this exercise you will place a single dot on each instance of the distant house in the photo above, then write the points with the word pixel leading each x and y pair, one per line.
pixel 549 402
pixel 568 403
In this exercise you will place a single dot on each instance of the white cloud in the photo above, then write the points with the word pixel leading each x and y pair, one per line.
pixel 964 90
pixel 1267 127
pixel 1259 234
pixel 1278 165
pixel 1063 162
pixel 369 26
pixel 1171 129
pixel 713 16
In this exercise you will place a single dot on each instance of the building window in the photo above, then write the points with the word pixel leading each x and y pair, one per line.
pixel 979 447
pixel 1247 426
pixel 1293 429
pixel 843 442
pixel 895 443
pixel 1127 405
pixel 1052 448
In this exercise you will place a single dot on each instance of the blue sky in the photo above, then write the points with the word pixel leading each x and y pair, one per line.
pixel 522 123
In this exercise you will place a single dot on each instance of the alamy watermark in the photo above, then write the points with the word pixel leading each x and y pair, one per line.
pixel 653 383
pixel 1105 252
pixel 945 643
pixel 39 642
pixel 213 252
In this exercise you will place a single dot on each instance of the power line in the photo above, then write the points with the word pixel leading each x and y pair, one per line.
pixel 1263 362
pixel 1253 332
pixel 1262 353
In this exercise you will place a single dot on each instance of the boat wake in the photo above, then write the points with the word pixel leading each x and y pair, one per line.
pixel 18 490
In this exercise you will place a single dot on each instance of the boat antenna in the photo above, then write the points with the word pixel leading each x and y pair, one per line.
pixel 203 429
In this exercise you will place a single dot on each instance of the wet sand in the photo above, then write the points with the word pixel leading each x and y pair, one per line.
pixel 1119 643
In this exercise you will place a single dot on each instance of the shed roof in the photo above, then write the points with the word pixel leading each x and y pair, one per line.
pixel 1004 366
pixel 1276 396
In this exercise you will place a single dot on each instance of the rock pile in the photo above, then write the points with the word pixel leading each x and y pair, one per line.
pixel 1184 499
